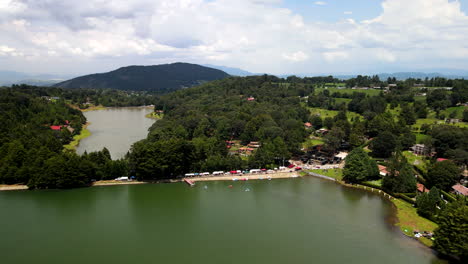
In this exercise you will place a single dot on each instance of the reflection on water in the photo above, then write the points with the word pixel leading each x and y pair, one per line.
pixel 116 129
pixel 302 220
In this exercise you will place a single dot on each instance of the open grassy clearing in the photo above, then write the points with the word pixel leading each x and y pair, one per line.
pixel 154 115
pixel 332 90
pixel 342 100
pixel 416 160
pixel 420 138
pixel 336 174
pixel 376 182
pixel 323 113
pixel 409 220
pixel 76 139
pixel 456 112
pixel 309 143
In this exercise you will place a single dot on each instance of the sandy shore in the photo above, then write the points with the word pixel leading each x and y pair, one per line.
pixel 15 187
pixel 263 176
pixel 278 175
pixel 112 182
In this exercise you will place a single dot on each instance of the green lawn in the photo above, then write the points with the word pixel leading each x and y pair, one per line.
pixel 415 160
pixel 332 173
pixel 323 113
pixel 409 220
pixel 420 138
pixel 458 110
pixel 76 139
pixel 342 100
pixel 432 121
pixel 420 98
pixel 376 182
pixel 154 115
pixel 370 92
pixel 312 142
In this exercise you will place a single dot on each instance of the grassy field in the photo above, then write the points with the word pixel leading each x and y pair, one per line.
pixel 376 182
pixel 420 138
pixel 432 121
pixel 332 173
pixel 76 139
pixel 312 142
pixel 154 115
pixel 93 108
pixel 323 113
pixel 370 92
pixel 415 160
pixel 409 220
pixel 457 111
pixel 342 100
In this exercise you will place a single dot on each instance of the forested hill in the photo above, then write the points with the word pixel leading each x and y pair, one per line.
pixel 157 78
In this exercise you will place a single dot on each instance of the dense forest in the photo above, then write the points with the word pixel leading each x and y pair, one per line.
pixel 199 121
pixel 156 78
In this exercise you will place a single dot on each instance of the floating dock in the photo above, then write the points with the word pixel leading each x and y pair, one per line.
pixel 189 182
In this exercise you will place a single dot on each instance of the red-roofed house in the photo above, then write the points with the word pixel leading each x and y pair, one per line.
pixel 58 128
pixel 383 170
pixel 441 159
pixel 421 188
pixel 460 189
pixel 251 98
pixel 308 125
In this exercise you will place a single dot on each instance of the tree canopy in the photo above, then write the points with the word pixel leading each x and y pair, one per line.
pixel 359 167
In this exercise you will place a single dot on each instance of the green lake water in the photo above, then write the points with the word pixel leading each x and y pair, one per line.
pixel 116 129
pixel 302 220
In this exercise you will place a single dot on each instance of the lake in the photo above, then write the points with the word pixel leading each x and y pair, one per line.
pixel 116 129
pixel 301 220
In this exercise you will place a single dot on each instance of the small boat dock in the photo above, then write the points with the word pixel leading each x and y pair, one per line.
pixel 189 182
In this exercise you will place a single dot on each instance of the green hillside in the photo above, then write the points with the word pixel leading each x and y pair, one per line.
pixel 157 78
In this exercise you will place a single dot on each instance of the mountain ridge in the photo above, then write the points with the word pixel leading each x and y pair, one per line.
pixel 161 78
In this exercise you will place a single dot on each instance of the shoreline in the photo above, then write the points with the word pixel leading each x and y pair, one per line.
pixel 101 107
pixel 401 212
pixel 77 138
pixel 154 115
pixel 13 187
pixel 262 176
pixel 278 175
pixel 397 211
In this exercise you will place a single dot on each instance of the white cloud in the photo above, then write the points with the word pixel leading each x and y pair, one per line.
pixel 257 35
pixel 9 51
pixel 333 56
pixel 296 56
pixel 320 3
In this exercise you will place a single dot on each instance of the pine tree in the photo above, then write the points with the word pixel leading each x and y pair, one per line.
pixel 359 166
pixel 400 178
pixel 451 238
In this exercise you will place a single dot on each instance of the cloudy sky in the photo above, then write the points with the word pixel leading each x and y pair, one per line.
pixel 274 36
